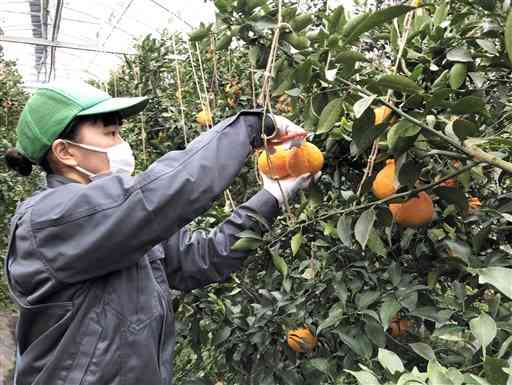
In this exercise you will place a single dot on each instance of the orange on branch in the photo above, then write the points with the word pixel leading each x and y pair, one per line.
pixel 474 203
pixel 416 211
pixel 385 183
pixel 204 118
pixel 306 159
pixel 452 183
pixel 301 340
pixel 277 168
pixel 381 114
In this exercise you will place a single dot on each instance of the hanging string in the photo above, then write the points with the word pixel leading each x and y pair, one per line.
pixel 143 123
pixel 195 76
pixel 207 95
pixel 403 41
pixel 265 96
pixel 180 93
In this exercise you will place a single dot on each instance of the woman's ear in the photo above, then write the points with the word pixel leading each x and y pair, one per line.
pixel 63 153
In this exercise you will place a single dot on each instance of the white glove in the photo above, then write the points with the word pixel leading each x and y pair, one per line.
pixel 286 129
pixel 290 186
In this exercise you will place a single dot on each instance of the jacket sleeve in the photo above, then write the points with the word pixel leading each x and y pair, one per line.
pixel 196 259
pixel 84 231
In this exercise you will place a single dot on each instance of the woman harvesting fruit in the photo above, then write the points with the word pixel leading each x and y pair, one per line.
pixel 92 255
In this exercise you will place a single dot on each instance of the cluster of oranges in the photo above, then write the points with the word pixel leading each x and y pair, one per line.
pixel 415 211
pixel 281 162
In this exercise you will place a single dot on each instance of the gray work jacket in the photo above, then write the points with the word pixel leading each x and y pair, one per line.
pixel 90 266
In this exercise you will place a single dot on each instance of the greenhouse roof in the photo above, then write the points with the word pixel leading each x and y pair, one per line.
pixel 76 39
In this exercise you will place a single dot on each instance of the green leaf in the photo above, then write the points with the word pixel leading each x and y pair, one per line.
pixel 423 350
pixel 508 36
pixel 494 373
pixel 464 128
pixel 459 55
pixel 437 374
pixel 488 46
pixel 351 55
pixel 365 299
pixel 387 311
pixel 505 347
pixel 402 136
pixel 453 196
pixel 303 72
pixel 468 105
pixel 224 42
pixel 390 361
pixel 320 364
pixel 335 316
pixel 337 20
pixel 222 335
pixel 375 333
pixel 364 132
pixel 296 242
pixel 499 277
pixel 484 329
pixel 364 377
pixel 330 115
pixel 376 244
pixel 199 34
pixel 246 244
pixel 364 226
pixel 362 104
pixel 441 14
pixel 280 264
pixel 344 230
pixel 398 83
pixel 301 21
pixel 458 75
pixel 412 378
pixel 296 40
pixel 370 21
pixel 408 173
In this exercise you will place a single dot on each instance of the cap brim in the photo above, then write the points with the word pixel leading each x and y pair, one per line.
pixel 124 106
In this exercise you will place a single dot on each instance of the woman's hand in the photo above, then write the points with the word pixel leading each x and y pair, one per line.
pixel 289 186
pixel 286 130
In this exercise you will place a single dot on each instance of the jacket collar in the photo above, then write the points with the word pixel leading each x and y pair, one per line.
pixel 54 180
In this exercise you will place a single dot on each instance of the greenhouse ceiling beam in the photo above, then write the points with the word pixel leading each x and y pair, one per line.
pixel 55 33
pixel 57 44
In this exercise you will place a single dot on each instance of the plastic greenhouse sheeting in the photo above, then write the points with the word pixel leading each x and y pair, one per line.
pixel 77 39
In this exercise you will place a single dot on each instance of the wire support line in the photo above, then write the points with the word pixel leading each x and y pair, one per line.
pixel 48 43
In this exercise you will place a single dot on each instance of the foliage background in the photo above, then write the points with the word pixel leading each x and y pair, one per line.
pixel 339 263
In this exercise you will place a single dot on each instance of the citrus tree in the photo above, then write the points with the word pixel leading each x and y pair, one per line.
pixel 395 267
pixel 407 285
pixel 12 188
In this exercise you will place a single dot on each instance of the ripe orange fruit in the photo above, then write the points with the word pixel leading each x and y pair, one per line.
pixel 452 183
pixel 301 340
pixel 385 183
pixel 381 114
pixel 399 327
pixel 204 118
pixel 416 211
pixel 306 159
pixel 474 203
pixel 277 168
pixel 291 162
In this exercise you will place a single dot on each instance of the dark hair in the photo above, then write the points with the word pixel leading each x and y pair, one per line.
pixel 23 166
pixel 18 162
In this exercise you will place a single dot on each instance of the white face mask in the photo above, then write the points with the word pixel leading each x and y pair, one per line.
pixel 120 158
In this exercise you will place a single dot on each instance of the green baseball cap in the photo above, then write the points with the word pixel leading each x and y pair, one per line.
pixel 53 107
